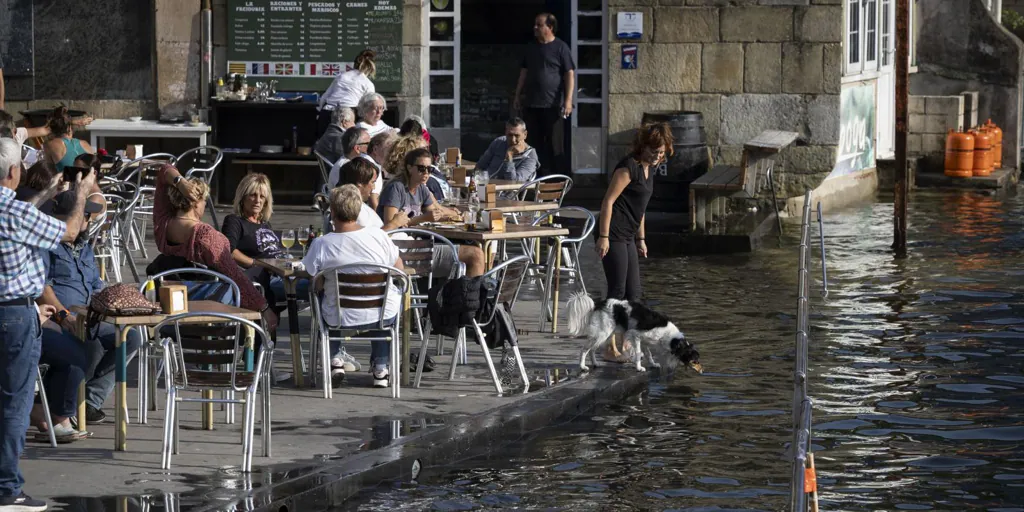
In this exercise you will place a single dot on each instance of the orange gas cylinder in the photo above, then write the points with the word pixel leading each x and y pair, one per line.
pixel 982 153
pixel 997 143
pixel 959 154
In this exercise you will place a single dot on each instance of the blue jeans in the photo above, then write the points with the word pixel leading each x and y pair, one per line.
pixel 19 357
pixel 68 360
pixel 103 361
pixel 380 353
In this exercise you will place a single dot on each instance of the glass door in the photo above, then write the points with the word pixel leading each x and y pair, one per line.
pixel 590 52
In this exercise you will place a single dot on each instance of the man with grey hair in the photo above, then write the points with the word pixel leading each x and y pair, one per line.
pixel 25 235
pixel 354 142
pixel 371 107
pixel 328 146
pixel 509 157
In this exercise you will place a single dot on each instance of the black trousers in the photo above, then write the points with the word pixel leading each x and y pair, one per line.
pixel 323 120
pixel 622 271
pixel 542 123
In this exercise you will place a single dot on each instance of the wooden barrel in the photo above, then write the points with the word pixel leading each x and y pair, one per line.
pixel 689 161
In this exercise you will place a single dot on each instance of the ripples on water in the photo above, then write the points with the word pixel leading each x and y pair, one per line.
pixel 916 376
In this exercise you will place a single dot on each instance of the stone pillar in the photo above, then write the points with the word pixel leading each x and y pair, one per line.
pixel 176 64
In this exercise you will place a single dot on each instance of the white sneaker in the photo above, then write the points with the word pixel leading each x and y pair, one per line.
pixel 337 373
pixel 351 365
pixel 380 377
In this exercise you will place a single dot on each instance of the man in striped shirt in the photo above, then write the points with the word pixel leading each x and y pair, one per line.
pixel 26 234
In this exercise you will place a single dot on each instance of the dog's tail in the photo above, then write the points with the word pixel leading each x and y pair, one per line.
pixel 580 307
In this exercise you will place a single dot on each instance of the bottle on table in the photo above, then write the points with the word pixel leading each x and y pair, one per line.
pixel 474 203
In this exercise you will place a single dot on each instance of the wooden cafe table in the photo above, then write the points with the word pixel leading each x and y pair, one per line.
pixel 123 325
pixel 512 232
pixel 499 185
pixel 282 268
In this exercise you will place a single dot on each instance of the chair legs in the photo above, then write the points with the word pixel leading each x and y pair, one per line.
pixel 46 407
pixel 265 417
pixel 169 428
pixel 522 368
pixel 487 357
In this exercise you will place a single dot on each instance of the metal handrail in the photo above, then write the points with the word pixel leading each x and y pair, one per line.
pixel 803 459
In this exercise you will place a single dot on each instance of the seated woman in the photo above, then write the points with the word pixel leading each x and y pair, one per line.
pixel 408 193
pixel 415 125
pixel 178 207
pixel 251 236
pixel 351 243
pixel 437 184
pixel 21 134
pixel 371 107
pixel 64 148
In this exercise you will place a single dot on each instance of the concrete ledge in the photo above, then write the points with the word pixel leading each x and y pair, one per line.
pixel 999 179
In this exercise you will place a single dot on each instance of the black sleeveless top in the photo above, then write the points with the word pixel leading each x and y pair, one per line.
pixel 631 204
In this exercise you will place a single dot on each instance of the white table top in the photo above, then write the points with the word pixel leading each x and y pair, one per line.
pixel 124 125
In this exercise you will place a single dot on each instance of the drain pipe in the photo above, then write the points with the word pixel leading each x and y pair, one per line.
pixel 206 64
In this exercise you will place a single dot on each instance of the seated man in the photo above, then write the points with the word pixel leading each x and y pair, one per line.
pixel 351 243
pixel 72 276
pixel 355 142
pixel 329 144
pixel 509 157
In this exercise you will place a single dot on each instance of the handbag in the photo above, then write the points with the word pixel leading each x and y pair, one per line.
pixel 118 300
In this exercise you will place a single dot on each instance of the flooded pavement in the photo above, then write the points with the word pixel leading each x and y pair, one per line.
pixel 916 374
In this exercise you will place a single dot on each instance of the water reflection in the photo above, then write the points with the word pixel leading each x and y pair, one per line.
pixel 916 376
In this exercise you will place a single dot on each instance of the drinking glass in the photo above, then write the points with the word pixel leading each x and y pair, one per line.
pixel 303 238
pixel 288 239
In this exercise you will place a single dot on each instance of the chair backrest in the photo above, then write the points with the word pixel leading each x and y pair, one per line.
pixel 418 249
pixel 200 351
pixel 200 162
pixel 549 189
pixel 509 276
pixel 202 275
pixel 325 167
pixel 579 221
pixel 365 286
pixel 141 171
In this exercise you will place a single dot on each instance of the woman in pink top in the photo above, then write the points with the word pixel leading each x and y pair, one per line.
pixel 178 207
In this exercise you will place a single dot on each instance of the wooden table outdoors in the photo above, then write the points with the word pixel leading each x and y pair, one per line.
pixel 510 206
pixel 513 232
pixel 499 185
pixel 290 277
pixel 123 324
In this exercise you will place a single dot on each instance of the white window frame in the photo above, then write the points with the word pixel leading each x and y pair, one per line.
pixel 603 72
pixel 455 73
pixel 865 69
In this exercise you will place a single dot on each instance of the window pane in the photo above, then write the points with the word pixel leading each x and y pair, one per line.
pixel 871 33
pixel 442 116
pixel 853 31
pixel 588 5
pixel 589 115
pixel 442 29
pixel 590 57
pixel 442 5
pixel 442 58
pixel 886 33
pixel 589 28
pixel 442 87
pixel 589 86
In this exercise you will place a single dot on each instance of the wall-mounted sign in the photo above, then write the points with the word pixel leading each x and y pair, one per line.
pixel 630 25
pixel 856 130
pixel 629 56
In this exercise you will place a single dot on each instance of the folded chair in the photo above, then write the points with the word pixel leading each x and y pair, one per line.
pixel 365 286
pixel 509 278
pixel 194 357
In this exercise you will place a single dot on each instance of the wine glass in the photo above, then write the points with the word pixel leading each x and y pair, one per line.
pixel 288 239
pixel 303 238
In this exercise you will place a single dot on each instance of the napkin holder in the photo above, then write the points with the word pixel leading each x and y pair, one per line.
pixel 459 175
pixel 489 195
pixel 453 156
pixel 173 298
pixel 493 220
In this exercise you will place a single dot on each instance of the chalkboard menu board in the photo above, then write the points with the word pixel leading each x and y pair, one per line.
pixel 304 44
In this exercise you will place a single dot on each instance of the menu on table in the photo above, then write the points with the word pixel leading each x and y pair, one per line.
pixel 303 44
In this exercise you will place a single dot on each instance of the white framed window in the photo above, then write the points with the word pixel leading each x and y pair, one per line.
pixel 887 28
pixel 589 42
pixel 869 37
pixel 444 48
pixel 854 40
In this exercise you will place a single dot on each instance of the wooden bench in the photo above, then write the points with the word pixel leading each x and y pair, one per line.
pixel 710 193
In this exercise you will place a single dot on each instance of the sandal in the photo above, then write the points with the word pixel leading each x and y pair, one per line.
pixel 63 434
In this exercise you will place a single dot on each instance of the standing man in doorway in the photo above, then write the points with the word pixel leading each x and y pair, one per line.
pixel 547 80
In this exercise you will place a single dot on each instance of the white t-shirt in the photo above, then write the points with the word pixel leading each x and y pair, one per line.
pixel 367 245
pixel 346 90
pixel 335 174
pixel 374 129
pixel 379 184
pixel 21 134
pixel 369 218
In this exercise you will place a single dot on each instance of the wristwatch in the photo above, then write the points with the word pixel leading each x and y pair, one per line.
pixel 177 179
pixel 62 315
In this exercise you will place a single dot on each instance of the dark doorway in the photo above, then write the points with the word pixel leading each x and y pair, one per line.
pixel 494 36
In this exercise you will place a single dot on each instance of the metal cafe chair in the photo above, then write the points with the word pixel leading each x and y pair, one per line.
pixel 325 169
pixel 509 277
pixel 41 391
pixel 419 251
pixel 147 373
pixel 202 162
pixel 548 189
pixel 196 356
pixel 580 224
pixel 365 286
pixel 142 173
pixel 109 237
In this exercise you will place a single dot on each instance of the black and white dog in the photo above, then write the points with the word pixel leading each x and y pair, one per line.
pixel 636 322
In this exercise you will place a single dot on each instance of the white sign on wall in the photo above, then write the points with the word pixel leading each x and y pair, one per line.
pixel 630 25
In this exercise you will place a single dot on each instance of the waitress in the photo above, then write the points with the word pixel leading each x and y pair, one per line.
pixel 347 89
pixel 620 238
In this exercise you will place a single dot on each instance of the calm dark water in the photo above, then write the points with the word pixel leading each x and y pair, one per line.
pixel 916 375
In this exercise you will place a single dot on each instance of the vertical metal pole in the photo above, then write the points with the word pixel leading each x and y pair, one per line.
pixel 206 57
pixel 899 244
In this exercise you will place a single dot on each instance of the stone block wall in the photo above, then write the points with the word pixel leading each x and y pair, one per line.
pixel 746 65
pixel 930 119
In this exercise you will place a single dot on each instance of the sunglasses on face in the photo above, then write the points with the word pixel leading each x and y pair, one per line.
pixel 422 168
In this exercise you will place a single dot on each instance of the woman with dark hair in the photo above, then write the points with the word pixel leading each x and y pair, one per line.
pixel 64 148
pixel 621 237
pixel 415 125
pixel 9 129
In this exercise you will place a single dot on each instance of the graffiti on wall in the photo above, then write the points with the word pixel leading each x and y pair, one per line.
pixel 856 130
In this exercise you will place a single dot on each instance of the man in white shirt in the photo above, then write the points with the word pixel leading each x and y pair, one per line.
pixel 350 244
pixel 354 141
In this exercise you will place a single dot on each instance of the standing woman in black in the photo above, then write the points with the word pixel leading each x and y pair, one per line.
pixel 620 238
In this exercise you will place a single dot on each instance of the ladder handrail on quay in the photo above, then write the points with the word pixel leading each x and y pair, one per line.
pixel 804 481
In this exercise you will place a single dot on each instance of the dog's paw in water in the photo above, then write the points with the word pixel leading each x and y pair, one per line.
pixel 584 368
pixel 640 368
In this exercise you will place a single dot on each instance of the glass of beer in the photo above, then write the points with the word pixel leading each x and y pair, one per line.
pixel 288 238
